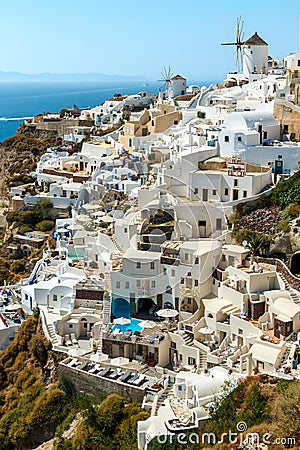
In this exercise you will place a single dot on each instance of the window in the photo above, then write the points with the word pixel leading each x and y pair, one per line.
pixel 186 256
pixel 197 260
pixel 239 138
pixel 201 223
pixel 245 194
pixel 226 138
pixel 223 258
pixel 125 230
pixel 54 298
pixel 189 301
pixel 196 283
pixel 182 281
pixel 191 361
pixel 285 129
pixel 153 284
pixel 173 273
pixel 118 284
pixel 152 265
pixel 196 191
pixel 219 224
pixel 173 344
pixel 70 325
pixel 226 191
pixel 96 257
pixel 214 192
pixel 235 182
pixel 126 284
pixel 240 331
pixel 138 283
pixel 138 265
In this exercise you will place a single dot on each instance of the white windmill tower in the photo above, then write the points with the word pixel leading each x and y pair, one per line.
pixel 251 55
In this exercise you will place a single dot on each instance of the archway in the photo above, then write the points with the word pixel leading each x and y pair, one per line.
pixel 145 304
pixel 120 308
pixel 295 264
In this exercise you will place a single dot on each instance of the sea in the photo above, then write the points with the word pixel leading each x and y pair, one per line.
pixel 23 100
pixel 20 100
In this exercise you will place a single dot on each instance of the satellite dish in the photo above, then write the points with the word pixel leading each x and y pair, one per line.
pixel 244 243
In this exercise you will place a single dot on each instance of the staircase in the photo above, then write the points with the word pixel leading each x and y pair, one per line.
pixel 52 333
pixel 188 339
pixel 293 294
pixel 107 300
pixel 202 361
pixel 117 245
pixel 161 401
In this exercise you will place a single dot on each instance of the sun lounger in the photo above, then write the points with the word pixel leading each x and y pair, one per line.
pixel 73 363
pixel 133 378
pixel 82 365
pixel 93 369
pixel 104 372
pixel 140 380
pixel 126 375
pixel 154 336
pixel 68 340
pixel 115 374
pixel 73 338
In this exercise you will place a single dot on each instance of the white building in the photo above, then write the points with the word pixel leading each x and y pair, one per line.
pixel 292 60
pixel 255 57
pixel 248 128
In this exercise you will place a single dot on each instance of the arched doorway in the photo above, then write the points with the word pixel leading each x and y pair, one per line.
pixel 120 308
pixel 145 305
pixel 295 264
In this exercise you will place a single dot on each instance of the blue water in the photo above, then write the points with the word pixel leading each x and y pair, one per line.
pixel 20 100
pixel 133 326
pixel 23 99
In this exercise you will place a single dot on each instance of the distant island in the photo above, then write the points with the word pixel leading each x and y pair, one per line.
pixel 18 76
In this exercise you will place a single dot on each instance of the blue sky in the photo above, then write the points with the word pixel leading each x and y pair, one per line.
pixel 139 37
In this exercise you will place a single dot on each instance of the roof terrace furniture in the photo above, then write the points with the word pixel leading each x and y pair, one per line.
pixel 73 339
pixel 133 378
pixel 68 340
pixel 126 376
pixel 104 372
pixel 140 380
pixel 82 366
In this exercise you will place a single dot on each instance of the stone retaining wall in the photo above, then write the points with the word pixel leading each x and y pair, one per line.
pixel 94 385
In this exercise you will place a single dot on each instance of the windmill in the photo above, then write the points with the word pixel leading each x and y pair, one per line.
pixel 239 42
pixel 166 76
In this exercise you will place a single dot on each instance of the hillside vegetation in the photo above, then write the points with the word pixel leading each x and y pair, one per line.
pixel 36 406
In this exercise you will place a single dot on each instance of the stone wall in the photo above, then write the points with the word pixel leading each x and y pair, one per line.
pixel 94 385
pixel 288 117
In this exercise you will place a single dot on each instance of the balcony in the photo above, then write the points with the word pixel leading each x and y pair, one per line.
pixel 171 260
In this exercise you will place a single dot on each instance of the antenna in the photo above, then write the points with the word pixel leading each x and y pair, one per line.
pixel 239 41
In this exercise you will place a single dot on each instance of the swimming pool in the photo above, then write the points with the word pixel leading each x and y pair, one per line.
pixel 133 326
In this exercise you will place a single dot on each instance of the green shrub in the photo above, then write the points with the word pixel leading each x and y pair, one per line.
pixel 24 229
pixel 284 226
pixel 45 225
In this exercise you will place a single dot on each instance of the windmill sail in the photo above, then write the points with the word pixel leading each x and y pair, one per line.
pixel 239 42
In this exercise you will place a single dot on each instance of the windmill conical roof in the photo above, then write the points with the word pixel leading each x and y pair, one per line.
pixel 255 40
pixel 178 77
